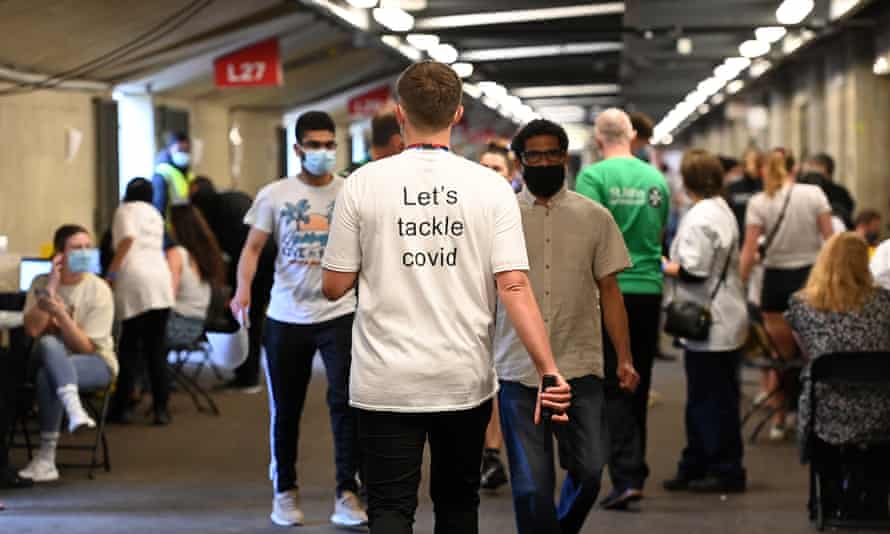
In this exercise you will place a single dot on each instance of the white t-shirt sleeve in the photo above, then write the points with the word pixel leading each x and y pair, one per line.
pixel 343 252
pixel 880 265
pixel 508 252
pixel 755 214
pixel 261 214
pixel 819 201
pixel 123 225
pixel 695 250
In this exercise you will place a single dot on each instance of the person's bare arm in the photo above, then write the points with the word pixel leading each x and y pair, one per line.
pixel 37 319
pixel 174 261
pixel 515 293
pixel 615 318
pixel 250 256
pixel 825 226
pixel 749 250
pixel 335 284
pixel 74 337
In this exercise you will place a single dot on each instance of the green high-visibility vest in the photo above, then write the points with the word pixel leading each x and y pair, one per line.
pixel 177 185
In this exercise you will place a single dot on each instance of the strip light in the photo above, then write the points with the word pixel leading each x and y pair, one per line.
pixel 794 11
pixel 521 15
pixel 568 90
pixel 520 52
pixel 394 18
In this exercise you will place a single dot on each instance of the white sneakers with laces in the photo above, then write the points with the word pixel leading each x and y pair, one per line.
pixel 40 470
pixel 286 509
pixel 349 511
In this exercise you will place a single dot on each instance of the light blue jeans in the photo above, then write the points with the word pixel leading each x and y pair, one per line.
pixel 58 367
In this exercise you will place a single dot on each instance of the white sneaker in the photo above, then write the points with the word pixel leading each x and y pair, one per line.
pixel 40 470
pixel 286 509
pixel 348 511
pixel 80 420
pixel 777 433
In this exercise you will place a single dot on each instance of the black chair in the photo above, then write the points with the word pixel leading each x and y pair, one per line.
pixel 849 482
pixel 189 382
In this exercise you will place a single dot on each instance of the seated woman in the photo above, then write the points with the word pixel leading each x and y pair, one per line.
pixel 704 264
pixel 841 310
pixel 69 313
pixel 196 265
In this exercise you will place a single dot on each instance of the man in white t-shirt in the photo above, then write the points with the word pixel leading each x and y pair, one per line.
pixel 434 239
pixel 297 213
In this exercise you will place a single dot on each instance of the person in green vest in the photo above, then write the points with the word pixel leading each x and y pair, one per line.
pixel 638 198
pixel 173 174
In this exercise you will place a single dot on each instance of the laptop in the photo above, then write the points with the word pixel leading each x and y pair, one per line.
pixel 31 268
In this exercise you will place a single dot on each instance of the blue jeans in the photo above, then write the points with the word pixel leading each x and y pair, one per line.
pixel 582 444
pixel 58 367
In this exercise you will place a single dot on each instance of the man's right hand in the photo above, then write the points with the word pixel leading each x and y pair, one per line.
pixel 240 306
pixel 558 398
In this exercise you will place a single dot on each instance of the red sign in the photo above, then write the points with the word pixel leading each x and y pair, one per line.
pixel 367 104
pixel 255 66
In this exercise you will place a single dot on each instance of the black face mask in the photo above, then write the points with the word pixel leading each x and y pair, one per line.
pixel 544 181
pixel 872 238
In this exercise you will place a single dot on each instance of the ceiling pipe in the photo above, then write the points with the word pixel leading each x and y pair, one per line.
pixel 30 79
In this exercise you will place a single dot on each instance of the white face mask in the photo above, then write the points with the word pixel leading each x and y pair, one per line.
pixel 319 162
pixel 181 159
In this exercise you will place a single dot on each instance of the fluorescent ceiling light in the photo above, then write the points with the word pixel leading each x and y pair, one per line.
pixel 473 90
pixel 394 18
pixel 759 67
pixel 704 108
pixel 412 5
pixel 521 15
pixel 568 90
pixel 443 53
pixel 753 48
pixel 770 34
pixel 793 11
pixel 406 50
pixel 493 89
pixel 490 102
pixel 717 99
pixel 519 52
pixel 355 17
pixel 580 101
pixel 423 41
pixel 684 46
pixel 881 66
pixel 725 72
pixel 735 86
pixel 738 63
pixel 563 113
pixel 463 70
pixel 362 3
pixel 711 86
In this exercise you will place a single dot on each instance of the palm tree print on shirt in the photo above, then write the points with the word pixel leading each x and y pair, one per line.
pixel 304 233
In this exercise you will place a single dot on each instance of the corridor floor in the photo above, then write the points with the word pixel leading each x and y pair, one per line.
pixel 208 474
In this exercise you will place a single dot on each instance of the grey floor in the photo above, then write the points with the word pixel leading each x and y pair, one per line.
pixel 208 474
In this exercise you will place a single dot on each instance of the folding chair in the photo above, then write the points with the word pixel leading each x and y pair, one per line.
pixel 850 481
pixel 189 383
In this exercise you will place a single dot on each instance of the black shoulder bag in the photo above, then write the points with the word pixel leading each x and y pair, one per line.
pixel 764 246
pixel 691 320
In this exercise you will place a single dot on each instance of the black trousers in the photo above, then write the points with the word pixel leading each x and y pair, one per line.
pixel 626 413
pixel 289 352
pixel 392 455
pixel 713 428
pixel 142 340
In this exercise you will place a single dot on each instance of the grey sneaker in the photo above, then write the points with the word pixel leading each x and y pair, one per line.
pixel 348 511
pixel 286 509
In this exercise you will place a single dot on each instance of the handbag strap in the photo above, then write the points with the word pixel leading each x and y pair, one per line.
pixel 725 271
pixel 775 230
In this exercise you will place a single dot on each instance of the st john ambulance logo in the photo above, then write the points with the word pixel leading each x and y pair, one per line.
pixel 655 197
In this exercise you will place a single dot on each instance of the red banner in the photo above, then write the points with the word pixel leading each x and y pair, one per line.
pixel 367 104
pixel 255 66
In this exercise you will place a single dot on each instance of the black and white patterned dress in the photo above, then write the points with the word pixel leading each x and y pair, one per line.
pixel 846 415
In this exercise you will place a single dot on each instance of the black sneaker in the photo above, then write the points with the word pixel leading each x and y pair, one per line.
pixel 493 473
pixel 620 499
pixel 713 484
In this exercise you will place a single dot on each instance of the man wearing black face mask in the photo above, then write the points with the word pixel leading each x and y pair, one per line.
pixel 569 267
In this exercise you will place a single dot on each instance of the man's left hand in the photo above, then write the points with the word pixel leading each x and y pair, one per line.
pixel 628 378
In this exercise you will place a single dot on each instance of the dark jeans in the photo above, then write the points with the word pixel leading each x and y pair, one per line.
pixel 392 454
pixel 142 340
pixel 248 373
pixel 582 444
pixel 626 412
pixel 713 427
pixel 289 352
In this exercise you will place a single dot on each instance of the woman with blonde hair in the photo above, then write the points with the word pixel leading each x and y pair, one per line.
pixel 793 220
pixel 841 310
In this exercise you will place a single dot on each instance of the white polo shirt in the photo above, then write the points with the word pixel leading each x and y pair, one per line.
pixel 426 231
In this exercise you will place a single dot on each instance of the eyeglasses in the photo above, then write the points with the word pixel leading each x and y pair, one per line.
pixel 535 157
pixel 318 145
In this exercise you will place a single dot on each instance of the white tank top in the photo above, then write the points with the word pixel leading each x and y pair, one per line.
pixel 193 297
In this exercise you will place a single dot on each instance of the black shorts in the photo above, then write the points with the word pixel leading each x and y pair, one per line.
pixel 779 285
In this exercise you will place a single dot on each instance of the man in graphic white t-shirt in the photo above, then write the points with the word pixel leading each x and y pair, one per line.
pixel 434 239
pixel 297 212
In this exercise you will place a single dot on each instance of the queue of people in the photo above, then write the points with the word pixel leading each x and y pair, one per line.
pixel 451 307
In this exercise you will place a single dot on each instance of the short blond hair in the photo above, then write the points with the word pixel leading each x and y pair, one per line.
pixel 613 127
pixel 430 94
pixel 840 280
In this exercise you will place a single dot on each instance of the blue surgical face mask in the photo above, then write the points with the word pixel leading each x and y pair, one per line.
pixel 319 162
pixel 181 159
pixel 84 260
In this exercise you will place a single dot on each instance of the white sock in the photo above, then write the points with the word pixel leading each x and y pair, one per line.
pixel 70 398
pixel 48 443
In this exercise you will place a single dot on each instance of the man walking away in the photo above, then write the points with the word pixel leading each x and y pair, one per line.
pixel 433 239
pixel 637 196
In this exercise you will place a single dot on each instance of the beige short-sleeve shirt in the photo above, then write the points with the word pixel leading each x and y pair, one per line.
pixel 572 242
